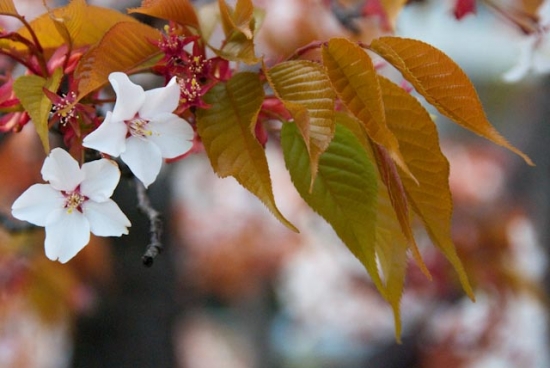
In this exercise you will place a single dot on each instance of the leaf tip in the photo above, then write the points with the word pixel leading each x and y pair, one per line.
pixel 314 170
pixel 466 286
pixel 400 161
pixel 419 261
pixel 397 322
pixel 504 143
pixel 527 159
pixel 287 223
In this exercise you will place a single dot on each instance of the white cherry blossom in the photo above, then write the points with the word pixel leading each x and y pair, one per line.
pixel 142 129
pixel 74 203
pixel 534 50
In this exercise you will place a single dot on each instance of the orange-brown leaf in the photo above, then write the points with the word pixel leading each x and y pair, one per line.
pixel 227 132
pixel 238 48
pixel 7 7
pixel 86 23
pixel 124 48
pixel 431 197
pixel 179 11
pixel 239 26
pixel 393 8
pixel 398 198
pixel 306 92
pixel 391 250
pixel 354 79
pixel 240 19
pixel 444 85
pixel 69 23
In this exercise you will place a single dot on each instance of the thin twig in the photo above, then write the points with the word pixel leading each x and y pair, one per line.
pixel 155 229
pixel 307 48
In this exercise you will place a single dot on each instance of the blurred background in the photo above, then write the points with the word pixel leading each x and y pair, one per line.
pixel 236 289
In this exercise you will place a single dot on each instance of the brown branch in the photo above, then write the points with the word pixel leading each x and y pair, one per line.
pixel 156 226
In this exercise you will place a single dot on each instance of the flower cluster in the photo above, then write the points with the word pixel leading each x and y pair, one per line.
pixel 196 72
pixel 74 203
pixel 141 129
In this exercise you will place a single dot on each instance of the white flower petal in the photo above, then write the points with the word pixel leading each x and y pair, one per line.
pixel 62 170
pixel 541 58
pixel 106 219
pixel 524 64
pixel 36 204
pixel 160 100
pixel 129 96
pixel 172 134
pixel 544 13
pixel 66 235
pixel 109 137
pixel 102 177
pixel 143 158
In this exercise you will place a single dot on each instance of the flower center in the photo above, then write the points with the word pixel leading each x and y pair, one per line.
pixel 74 200
pixel 65 109
pixel 138 127
pixel 191 89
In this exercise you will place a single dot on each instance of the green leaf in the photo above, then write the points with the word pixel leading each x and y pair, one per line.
pixel 391 245
pixel 430 198
pixel 444 85
pixel 344 193
pixel 29 90
pixel 306 92
pixel 354 79
pixel 227 132
pixel 125 47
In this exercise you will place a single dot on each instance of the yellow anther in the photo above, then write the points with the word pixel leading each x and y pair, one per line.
pixel 73 201
pixel 138 128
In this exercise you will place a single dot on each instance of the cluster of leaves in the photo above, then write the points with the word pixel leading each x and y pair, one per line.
pixel 361 150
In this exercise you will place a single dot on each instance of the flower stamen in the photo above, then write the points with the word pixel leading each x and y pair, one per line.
pixel 64 108
pixel 138 127
pixel 74 200
pixel 191 89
